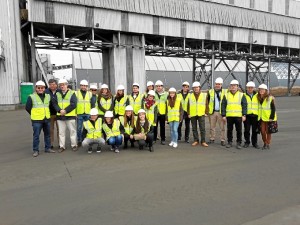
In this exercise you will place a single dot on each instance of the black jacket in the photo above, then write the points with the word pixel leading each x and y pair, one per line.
pixel 71 107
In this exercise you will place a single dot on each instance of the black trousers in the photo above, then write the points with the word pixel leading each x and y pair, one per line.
pixel 187 122
pixel 161 120
pixel 251 122
pixel 149 140
pixel 201 121
pixel 127 138
pixel 237 122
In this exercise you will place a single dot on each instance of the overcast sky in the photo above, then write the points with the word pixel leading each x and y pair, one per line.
pixel 59 58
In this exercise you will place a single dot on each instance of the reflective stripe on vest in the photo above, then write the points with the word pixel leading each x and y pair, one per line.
pixel 40 110
pixel 197 108
pixel 63 103
pixel 128 128
pixel 212 99
pixel 115 131
pixel 106 104
pixel 174 113
pixel 150 113
pixel 93 132
pixel 234 104
pixel 136 103
pixel 252 104
pixel 83 104
pixel 264 110
pixel 120 106
pixel 161 102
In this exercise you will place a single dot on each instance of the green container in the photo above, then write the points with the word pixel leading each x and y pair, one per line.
pixel 26 90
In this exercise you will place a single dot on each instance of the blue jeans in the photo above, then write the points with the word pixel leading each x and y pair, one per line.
pixel 37 128
pixel 115 141
pixel 174 130
pixel 80 119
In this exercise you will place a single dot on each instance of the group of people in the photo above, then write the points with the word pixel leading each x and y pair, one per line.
pixel 97 117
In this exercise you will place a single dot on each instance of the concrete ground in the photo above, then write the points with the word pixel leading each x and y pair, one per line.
pixel 209 186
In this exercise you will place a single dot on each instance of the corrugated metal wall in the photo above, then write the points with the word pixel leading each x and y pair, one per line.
pixel 11 36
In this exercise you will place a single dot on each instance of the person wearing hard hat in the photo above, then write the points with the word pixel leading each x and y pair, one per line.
pixel 174 114
pixel 150 86
pixel 83 108
pixel 266 113
pixel 65 105
pixel 234 110
pixel 128 122
pixel 113 130
pixel 121 100
pixel 215 97
pixel 135 98
pixel 183 95
pixel 161 99
pixel 150 107
pixel 252 116
pixel 51 90
pixel 197 109
pixel 105 100
pixel 37 106
pixel 94 91
pixel 143 131
pixel 92 132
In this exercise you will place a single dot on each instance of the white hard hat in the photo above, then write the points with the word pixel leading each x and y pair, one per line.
pixel 196 84
pixel 62 81
pixel 120 87
pixel 128 108
pixel 141 111
pixel 159 83
pixel 172 89
pixel 219 80
pixel 84 82
pixel 40 83
pixel 104 86
pixel 234 82
pixel 151 92
pixel 94 112
pixel 263 86
pixel 250 84
pixel 108 114
pixel 186 83
pixel 150 83
pixel 135 84
pixel 93 86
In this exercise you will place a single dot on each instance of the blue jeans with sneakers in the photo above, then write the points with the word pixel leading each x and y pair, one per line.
pixel 37 128
pixel 174 131
pixel 115 141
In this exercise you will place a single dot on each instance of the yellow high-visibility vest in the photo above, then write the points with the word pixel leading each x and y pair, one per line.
pixel 128 128
pixel 150 113
pixel 63 103
pixel 252 104
pixel 174 113
pixel 161 102
pixel 93 132
pixel 106 104
pixel 234 104
pixel 115 131
pixel 197 108
pixel 136 103
pixel 40 110
pixel 83 104
pixel 185 101
pixel 120 106
pixel 264 110
pixel 212 99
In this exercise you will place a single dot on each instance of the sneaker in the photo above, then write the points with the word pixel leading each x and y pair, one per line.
pixel 246 145
pixel 175 145
pixel 187 141
pixel 195 143
pixel 49 151
pixel 163 143
pixel 35 154
pixel 229 145
pixel 256 146
pixel 211 141
pixel 204 144
pixel 239 146
pixel 112 148
pixel 151 149
pixel 264 147
pixel 223 143
pixel 74 148
pixel 98 149
pixel 171 143
pixel 117 150
pixel 90 150
pixel 61 149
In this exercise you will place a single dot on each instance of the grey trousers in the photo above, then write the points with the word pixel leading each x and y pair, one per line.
pixel 201 121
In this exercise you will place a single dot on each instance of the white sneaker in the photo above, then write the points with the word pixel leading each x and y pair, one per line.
pixel 175 145
pixel 117 150
pixel 171 144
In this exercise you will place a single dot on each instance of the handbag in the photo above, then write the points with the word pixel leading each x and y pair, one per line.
pixel 272 127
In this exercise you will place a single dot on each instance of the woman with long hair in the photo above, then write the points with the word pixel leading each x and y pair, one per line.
pixel 150 107
pixel 120 101
pixel 266 113
pixel 143 131
pixel 128 121
pixel 105 100
pixel 174 115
